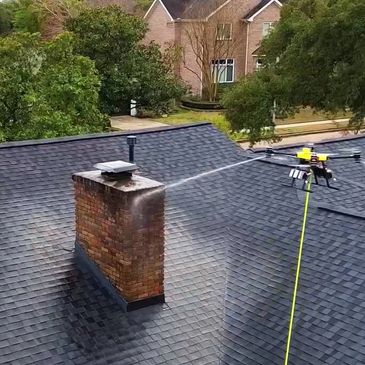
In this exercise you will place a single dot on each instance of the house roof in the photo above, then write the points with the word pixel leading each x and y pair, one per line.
pixel 262 5
pixel 197 9
pixel 191 9
pixel 231 247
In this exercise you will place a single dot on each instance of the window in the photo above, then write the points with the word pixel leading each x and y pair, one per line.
pixel 267 28
pixel 224 32
pixel 223 70
pixel 259 64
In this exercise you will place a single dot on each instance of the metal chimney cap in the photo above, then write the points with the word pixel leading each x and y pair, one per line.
pixel 116 167
pixel 131 140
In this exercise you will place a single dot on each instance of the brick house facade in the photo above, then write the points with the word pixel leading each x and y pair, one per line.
pixel 248 22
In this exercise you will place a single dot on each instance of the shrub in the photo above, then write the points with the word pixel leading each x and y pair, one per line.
pixel 45 89
pixel 128 70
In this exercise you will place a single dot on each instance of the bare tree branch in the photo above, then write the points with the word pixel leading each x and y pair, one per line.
pixel 209 46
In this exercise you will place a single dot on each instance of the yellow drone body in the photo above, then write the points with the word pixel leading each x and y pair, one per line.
pixel 307 154
pixel 312 163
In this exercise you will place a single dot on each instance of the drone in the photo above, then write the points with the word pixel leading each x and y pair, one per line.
pixel 311 163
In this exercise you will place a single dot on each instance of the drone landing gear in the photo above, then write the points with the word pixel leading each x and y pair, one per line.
pixel 328 185
pixel 294 187
pixel 303 188
pixel 331 187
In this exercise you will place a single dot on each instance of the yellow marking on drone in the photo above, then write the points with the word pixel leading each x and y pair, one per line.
pixel 306 154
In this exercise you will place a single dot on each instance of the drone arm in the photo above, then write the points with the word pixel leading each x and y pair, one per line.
pixel 270 152
pixel 355 156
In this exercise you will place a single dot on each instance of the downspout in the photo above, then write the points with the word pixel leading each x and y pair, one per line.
pixel 247 41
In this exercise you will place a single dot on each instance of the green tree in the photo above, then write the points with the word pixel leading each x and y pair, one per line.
pixel 250 105
pixel 19 61
pixel 320 45
pixel 154 83
pixel 316 54
pixel 128 70
pixel 143 5
pixel 46 90
pixel 6 17
pixel 28 16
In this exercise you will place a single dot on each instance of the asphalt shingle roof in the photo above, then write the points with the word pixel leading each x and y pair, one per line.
pixel 191 9
pixel 231 246
pixel 197 9
pixel 258 7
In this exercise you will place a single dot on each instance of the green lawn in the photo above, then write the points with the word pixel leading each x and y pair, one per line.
pixel 183 116
pixel 308 115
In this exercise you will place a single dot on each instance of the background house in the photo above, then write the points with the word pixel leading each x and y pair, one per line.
pixel 233 28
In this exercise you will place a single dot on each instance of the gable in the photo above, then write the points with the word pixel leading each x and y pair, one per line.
pixel 191 9
pixel 262 6
pixel 157 4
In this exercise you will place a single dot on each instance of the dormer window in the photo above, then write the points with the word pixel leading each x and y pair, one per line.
pixel 224 32
pixel 259 64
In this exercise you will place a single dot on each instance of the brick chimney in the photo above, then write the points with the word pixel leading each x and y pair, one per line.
pixel 120 235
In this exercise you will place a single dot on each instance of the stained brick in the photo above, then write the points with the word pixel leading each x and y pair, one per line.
pixel 122 231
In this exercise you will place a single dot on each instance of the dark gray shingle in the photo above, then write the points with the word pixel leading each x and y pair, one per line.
pixel 231 246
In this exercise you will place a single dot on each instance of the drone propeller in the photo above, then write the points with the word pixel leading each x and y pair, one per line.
pixel 270 152
pixel 344 153
pixel 350 149
pixel 284 158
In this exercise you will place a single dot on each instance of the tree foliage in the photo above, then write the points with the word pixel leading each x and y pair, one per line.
pixel 250 105
pixel 38 16
pixel 128 70
pixel 143 5
pixel 321 49
pixel 28 16
pixel 316 53
pixel 45 89
pixel 6 18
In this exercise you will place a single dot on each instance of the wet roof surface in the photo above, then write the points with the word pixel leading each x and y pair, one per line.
pixel 231 245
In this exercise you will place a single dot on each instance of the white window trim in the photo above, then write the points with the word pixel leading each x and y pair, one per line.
pixel 233 70
pixel 230 32
pixel 271 26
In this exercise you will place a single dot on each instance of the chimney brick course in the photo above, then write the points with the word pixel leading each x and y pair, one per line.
pixel 120 228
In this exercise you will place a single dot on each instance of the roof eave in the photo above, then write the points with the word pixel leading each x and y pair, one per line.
pixel 251 18
pixel 153 5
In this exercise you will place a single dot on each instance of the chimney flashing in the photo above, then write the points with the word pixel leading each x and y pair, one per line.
pixel 88 265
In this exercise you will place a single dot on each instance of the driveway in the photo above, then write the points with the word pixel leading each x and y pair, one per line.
pixel 127 123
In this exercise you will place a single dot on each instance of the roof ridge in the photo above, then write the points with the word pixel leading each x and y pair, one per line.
pixel 341 210
pixel 36 142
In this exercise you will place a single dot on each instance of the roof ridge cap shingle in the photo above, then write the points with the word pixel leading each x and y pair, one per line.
pixel 341 210
pixel 35 142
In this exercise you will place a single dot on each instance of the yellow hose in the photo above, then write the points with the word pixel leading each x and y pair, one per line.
pixel 298 271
